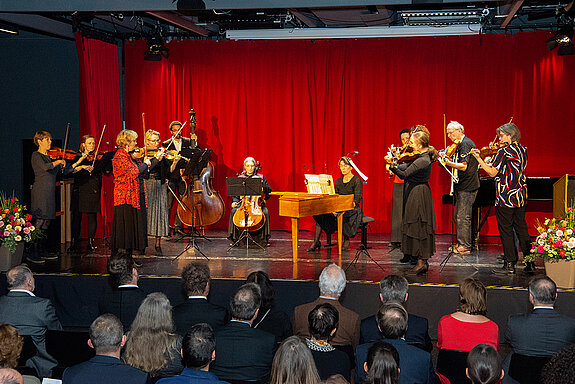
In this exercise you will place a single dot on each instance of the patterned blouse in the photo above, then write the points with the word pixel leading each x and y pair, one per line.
pixel 126 184
pixel 510 181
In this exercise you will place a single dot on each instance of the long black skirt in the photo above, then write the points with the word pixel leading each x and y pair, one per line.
pixel 129 228
pixel 418 225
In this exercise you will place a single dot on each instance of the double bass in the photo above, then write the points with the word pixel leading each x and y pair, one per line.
pixel 200 205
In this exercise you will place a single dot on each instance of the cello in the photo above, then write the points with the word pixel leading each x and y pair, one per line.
pixel 249 215
pixel 200 205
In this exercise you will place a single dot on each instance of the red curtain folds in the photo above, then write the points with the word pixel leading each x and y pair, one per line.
pixel 297 106
pixel 100 103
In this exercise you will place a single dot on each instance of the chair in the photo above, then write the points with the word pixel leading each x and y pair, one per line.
pixel 452 364
pixel 365 220
pixel 527 369
pixel 28 351
pixel 68 348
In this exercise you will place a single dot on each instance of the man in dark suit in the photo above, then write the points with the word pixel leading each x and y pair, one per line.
pixel 107 338
pixel 30 315
pixel 197 309
pixel 415 364
pixel 393 289
pixel 124 299
pixel 543 331
pixel 244 353
pixel 331 285
pixel 198 351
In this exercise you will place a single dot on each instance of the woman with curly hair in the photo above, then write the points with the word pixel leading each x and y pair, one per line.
pixel 11 344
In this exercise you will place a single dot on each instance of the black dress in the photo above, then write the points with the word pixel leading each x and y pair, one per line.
pixel 351 218
pixel 43 204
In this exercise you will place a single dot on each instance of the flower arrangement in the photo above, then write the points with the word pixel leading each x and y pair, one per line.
pixel 556 240
pixel 15 223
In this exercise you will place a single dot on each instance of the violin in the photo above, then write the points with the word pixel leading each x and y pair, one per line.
pixel 450 150
pixel 491 149
pixel 405 154
pixel 139 153
pixel 56 153
pixel 92 156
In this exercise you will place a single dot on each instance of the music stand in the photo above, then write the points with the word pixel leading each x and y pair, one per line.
pixel 245 186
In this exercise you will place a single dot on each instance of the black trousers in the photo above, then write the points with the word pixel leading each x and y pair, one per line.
pixel 509 219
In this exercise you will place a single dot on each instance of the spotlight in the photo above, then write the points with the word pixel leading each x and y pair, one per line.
pixel 156 50
pixel 562 39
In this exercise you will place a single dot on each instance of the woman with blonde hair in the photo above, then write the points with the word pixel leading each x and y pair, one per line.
pixel 152 346
pixel 294 364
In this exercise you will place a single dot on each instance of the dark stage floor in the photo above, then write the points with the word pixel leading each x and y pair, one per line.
pixel 277 261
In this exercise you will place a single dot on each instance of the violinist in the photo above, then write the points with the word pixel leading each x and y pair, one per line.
pixel 129 224
pixel 251 170
pixel 157 192
pixel 347 184
pixel 397 200
pixel 508 169
pixel 418 223
pixel 467 185
pixel 43 204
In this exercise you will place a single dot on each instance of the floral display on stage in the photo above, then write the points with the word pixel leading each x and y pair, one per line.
pixel 15 223
pixel 556 240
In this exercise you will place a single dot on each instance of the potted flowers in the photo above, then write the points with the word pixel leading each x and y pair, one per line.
pixel 556 245
pixel 15 229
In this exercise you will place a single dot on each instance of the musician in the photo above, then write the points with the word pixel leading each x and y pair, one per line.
pixel 397 200
pixel 465 188
pixel 155 180
pixel 347 184
pixel 508 168
pixel 418 223
pixel 129 224
pixel 251 170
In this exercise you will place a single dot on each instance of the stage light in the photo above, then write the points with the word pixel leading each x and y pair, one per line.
pixel 563 40
pixel 156 50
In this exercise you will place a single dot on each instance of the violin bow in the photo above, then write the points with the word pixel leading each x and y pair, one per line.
pixel 65 143
pixel 144 137
pixel 444 132
pixel 176 135
pixel 98 147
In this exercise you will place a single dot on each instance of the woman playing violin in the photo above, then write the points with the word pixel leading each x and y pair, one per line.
pixel 397 200
pixel 251 170
pixel 508 168
pixel 418 224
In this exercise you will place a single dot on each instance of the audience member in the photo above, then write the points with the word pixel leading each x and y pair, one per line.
pixel 484 365
pixel 198 351
pixel 469 326
pixel 561 367
pixel 293 364
pixel 242 352
pixel 30 315
pixel 323 320
pixel 11 344
pixel 107 338
pixel 393 289
pixel 197 309
pixel 269 318
pixel 382 364
pixel 125 297
pixel 10 376
pixel 151 345
pixel 415 364
pixel 331 285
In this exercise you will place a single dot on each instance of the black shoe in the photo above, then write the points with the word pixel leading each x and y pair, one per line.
pixel 507 269
pixel 158 250
pixel 315 246
pixel 529 268
pixel 405 259
pixel 91 246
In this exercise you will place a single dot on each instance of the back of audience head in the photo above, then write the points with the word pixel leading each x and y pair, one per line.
pixel 484 365
pixel 266 288
pixel 107 334
pixel 293 364
pixel 332 281
pixel 393 288
pixel 392 320
pixel 382 364
pixel 10 376
pixel 245 302
pixel 20 277
pixel 542 290
pixel 322 321
pixel 196 279
pixel 560 369
pixel 121 268
pixel 10 346
pixel 199 346
pixel 154 314
pixel 472 297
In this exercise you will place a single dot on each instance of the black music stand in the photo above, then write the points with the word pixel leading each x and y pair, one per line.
pixel 245 186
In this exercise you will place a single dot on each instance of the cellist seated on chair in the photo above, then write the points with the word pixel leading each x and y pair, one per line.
pixel 261 235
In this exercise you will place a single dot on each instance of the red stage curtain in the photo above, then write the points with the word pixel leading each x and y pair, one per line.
pixel 100 103
pixel 297 106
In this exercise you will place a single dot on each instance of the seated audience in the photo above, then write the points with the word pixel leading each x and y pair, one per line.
pixel 561 368
pixel 293 364
pixel 269 318
pixel 197 309
pixel 152 346
pixel 30 315
pixel 198 351
pixel 107 338
pixel 393 289
pixel 124 297
pixel 415 364
pixel 382 364
pixel 243 353
pixel 10 376
pixel 11 344
pixel 331 285
pixel 464 329
pixel 323 320
pixel 484 365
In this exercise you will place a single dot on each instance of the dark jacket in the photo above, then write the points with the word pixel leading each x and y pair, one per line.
pixel 123 303
pixel 198 310
pixel 103 370
pixel 417 332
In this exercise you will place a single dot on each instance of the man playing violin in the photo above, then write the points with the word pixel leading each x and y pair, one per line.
pixel 465 184
pixel 508 169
